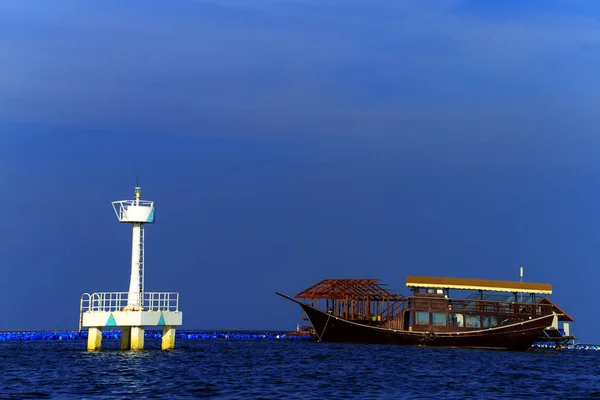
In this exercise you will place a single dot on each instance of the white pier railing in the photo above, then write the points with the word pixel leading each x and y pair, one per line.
pixel 117 301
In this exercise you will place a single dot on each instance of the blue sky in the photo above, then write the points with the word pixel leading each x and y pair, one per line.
pixel 287 142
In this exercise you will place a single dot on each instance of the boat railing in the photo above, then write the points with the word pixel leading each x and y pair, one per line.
pixel 477 306
pixel 359 309
pixel 393 310
pixel 118 301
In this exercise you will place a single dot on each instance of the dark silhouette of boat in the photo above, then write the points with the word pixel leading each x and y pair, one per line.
pixel 363 311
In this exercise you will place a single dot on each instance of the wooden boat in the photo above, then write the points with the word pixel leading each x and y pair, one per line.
pixel 513 316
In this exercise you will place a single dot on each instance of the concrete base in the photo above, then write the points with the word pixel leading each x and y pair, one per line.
pixel 125 338
pixel 137 338
pixel 131 318
pixel 132 325
pixel 168 338
pixel 132 338
pixel 94 339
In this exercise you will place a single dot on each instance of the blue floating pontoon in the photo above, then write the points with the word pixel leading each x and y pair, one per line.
pixel 182 334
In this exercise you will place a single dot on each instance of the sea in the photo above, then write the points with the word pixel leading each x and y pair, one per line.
pixel 290 369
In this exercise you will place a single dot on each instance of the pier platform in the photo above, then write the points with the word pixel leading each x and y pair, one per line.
pixel 99 311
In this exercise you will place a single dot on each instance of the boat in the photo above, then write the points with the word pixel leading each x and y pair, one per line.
pixel 495 315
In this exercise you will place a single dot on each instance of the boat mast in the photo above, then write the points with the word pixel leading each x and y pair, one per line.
pixel 521 294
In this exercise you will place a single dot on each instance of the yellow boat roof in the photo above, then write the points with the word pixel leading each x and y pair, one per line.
pixel 477 284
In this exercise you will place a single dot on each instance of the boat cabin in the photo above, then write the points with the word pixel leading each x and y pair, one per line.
pixel 490 303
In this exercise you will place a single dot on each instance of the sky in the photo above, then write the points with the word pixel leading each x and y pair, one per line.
pixel 289 141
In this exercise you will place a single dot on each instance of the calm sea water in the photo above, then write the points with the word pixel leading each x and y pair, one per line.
pixel 273 369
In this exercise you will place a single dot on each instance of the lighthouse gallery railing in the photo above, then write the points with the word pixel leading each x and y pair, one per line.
pixel 117 301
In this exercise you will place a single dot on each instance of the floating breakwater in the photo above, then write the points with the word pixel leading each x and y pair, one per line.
pixel 182 334
pixel 212 334
pixel 552 346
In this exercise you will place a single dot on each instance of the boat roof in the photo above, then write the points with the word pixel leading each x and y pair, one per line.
pixel 477 284
pixel 345 288
pixel 562 315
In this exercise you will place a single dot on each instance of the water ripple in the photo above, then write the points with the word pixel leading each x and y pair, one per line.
pixel 258 369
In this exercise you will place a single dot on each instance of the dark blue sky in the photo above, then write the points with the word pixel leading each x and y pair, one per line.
pixel 286 142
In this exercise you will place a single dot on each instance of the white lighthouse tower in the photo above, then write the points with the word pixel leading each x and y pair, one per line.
pixel 136 308
pixel 138 213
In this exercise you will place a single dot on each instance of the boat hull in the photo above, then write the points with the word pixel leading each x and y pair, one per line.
pixel 516 336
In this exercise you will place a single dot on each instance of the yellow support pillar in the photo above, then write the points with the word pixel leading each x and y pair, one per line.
pixel 168 338
pixel 94 338
pixel 126 338
pixel 137 338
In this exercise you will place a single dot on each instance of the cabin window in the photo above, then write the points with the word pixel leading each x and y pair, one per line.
pixel 438 319
pixel 422 318
pixel 490 321
pixel 440 291
pixel 430 291
pixel 456 320
pixel 471 306
pixel 473 321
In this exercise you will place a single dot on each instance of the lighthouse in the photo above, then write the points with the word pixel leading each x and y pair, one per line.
pixel 135 309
